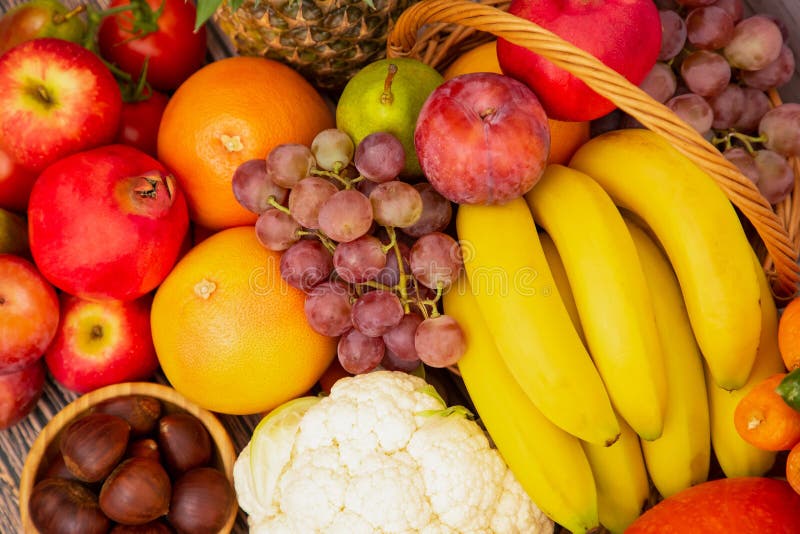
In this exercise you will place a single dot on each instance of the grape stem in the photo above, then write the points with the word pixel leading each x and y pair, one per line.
pixel 328 174
pixel 275 204
pixel 326 241
pixel 746 140
pixel 402 277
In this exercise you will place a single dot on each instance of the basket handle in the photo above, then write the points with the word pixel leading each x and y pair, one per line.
pixel 625 95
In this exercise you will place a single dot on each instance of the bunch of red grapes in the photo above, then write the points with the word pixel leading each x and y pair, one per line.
pixel 367 249
pixel 715 70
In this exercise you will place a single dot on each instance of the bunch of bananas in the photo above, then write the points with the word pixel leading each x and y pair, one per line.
pixel 608 350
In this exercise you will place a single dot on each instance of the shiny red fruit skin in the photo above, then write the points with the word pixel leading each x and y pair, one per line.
pixel 93 236
pixel 175 49
pixel 138 124
pixel 745 505
pixel 623 34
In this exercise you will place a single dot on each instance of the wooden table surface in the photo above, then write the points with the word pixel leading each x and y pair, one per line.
pixel 15 442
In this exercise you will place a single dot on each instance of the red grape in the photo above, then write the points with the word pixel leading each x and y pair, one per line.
pixel 705 73
pixel 440 341
pixel 660 83
pixel 727 107
pixel 776 176
pixel 307 197
pixel 392 362
pixel 435 259
pixel 673 35
pixel 359 260
pixel 776 74
pixel 252 186
pixel 756 43
pixel 306 264
pixel 380 157
pixel 709 27
pixel 781 127
pixel 400 339
pixel 695 3
pixel 359 353
pixel 694 110
pixel 376 312
pixel 396 204
pixel 289 163
pixel 345 216
pixel 277 230
pixel 734 8
pixel 332 148
pixel 436 212
pixel 744 162
pixel 327 308
pixel 756 104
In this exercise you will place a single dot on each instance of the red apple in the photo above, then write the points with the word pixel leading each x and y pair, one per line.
pixel 623 34
pixel 107 223
pixel 746 505
pixel 19 393
pixel 56 98
pixel 482 138
pixel 102 343
pixel 28 313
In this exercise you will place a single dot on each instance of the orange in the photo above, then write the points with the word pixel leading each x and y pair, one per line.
pixel 226 113
pixel 565 137
pixel 793 468
pixel 230 334
pixel 789 335
pixel 765 420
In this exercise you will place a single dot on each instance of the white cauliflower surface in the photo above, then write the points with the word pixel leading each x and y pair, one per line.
pixel 381 454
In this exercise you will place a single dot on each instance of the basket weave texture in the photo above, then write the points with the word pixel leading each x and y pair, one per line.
pixel 436 31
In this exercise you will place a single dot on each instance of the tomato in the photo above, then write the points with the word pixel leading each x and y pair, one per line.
pixel 174 50
pixel 140 120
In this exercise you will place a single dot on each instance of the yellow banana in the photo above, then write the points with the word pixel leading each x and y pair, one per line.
pixel 681 456
pixel 516 294
pixel 621 479
pixel 548 462
pixel 737 457
pixel 610 292
pixel 701 234
pixel 560 278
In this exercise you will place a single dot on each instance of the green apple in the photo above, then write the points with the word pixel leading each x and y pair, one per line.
pixel 13 234
pixel 386 96
pixel 40 18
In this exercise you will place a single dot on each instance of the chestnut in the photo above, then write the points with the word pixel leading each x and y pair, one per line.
pixel 184 442
pixel 94 444
pixel 56 468
pixel 61 506
pixel 144 448
pixel 153 527
pixel 140 411
pixel 136 492
pixel 201 502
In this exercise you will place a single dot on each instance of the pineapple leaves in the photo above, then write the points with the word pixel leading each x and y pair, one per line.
pixel 206 8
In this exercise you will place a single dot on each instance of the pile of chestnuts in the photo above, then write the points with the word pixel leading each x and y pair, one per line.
pixel 126 467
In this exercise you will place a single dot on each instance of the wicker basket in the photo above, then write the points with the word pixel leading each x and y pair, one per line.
pixel 436 31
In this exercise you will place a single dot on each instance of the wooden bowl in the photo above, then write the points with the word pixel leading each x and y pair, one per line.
pixel 46 446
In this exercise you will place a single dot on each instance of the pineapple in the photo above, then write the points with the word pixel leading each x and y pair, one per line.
pixel 327 41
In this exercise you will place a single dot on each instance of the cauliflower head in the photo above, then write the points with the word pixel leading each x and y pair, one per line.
pixel 381 454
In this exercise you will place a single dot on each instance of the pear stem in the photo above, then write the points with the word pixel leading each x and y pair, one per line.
pixel 387 97
pixel 58 18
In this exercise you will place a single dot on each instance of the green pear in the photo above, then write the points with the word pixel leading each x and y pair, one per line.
pixel 13 234
pixel 386 96
pixel 40 18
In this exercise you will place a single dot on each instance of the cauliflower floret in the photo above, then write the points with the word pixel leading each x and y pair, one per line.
pixel 381 455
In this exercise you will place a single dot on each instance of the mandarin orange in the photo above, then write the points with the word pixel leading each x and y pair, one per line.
pixel 230 334
pixel 228 112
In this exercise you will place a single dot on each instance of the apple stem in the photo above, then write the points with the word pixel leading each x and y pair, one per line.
pixel 486 112
pixel 387 97
pixel 41 90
